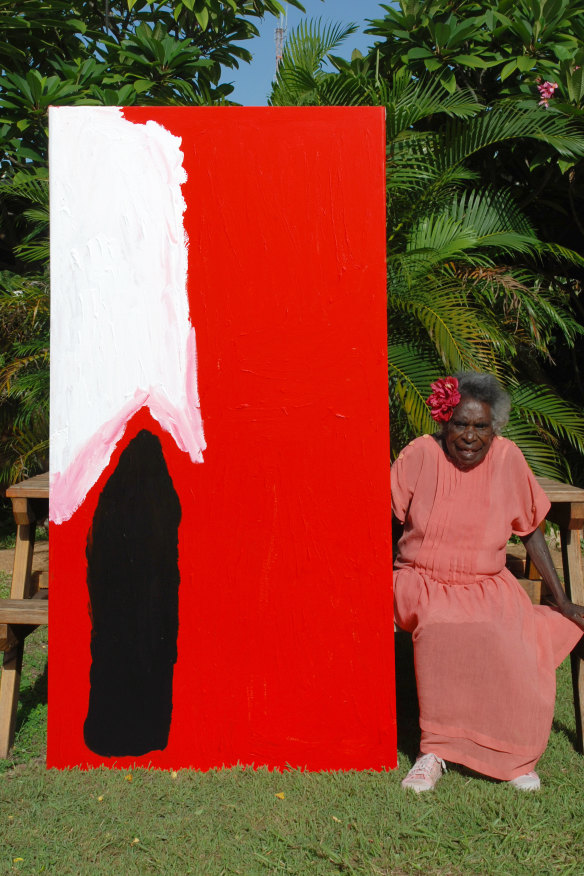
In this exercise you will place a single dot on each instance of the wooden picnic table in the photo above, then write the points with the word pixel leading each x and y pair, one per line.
pixel 24 610
pixel 567 512
pixel 27 607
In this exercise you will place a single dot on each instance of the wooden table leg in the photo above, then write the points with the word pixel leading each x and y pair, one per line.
pixel 574 583
pixel 21 586
pixel 9 690
pixel 25 532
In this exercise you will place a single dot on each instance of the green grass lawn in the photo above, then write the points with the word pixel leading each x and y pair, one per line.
pixel 237 821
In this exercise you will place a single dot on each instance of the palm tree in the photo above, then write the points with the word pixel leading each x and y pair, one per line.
pixel 466 288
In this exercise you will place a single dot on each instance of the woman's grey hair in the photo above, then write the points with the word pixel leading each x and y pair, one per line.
pixel 485 388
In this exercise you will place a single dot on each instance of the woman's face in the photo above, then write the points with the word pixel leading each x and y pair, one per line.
pixel 469 432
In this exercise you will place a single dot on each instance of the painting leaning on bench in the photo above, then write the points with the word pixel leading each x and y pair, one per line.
pixel 219 439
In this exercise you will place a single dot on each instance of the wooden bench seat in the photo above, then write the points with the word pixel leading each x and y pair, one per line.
pixel 24 611
pixel 30 501
pixel 19 617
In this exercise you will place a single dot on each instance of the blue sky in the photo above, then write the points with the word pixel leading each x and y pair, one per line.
pixel 252 81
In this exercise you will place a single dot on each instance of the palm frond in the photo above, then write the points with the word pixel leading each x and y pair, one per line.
pixel 561 254
pixel 439 238
pixel 302 66
pixel 459 140
pixel 412 173
pixel 408 102
pixel 543 407
pixel 488 211
pixel 31 187
pixel 411 371
pixel 340 91
pixel 311 41
pixel 539 448
pixel 529 311
pixel 462 335
pixel 23 453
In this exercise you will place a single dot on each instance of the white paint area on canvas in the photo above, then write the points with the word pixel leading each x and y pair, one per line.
pixel 121 337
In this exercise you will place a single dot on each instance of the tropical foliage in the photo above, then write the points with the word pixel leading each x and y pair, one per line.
pixel 494 49
pixel 472 281
pixel 54 52
pixel 484 102
pixel 532 51
pixel 529 51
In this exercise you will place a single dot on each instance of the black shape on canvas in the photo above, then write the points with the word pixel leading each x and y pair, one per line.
pixel 133 581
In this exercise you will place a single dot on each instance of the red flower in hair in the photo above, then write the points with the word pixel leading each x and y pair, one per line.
pixel 445 396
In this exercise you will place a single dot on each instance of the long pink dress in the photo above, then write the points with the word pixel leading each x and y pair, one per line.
pixel 485 656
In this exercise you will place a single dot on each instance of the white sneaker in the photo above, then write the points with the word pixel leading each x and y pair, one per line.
pixel 528 782
pixel 425 773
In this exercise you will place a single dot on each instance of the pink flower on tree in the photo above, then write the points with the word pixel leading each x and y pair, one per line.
pixel 546 91
pixel 445 396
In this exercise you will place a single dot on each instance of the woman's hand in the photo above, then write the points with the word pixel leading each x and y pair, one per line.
pixel 537 549
pixel 573 612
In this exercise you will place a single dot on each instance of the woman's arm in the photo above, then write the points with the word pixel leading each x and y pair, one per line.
pixel 538 552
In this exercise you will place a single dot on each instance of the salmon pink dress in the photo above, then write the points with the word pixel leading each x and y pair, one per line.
pixel 485 656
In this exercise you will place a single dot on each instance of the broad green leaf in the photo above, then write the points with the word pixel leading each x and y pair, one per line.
pixel 508 69
pixel 470 61
pixel 565 166
pixel 202 17
pixel 81 26
pixel 141 85
pixel 442 33
pixel 523 29
pixel 575 85
pixel 419 52
pixel 448 80
pixel 525 63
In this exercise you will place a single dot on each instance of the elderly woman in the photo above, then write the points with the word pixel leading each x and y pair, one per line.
pixel 485 656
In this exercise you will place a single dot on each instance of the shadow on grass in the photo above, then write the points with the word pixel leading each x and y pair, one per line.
pixel 32 697
pixel 408 730
pixel 568 732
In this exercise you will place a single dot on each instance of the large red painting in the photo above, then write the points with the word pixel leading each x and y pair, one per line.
pixel 220 513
